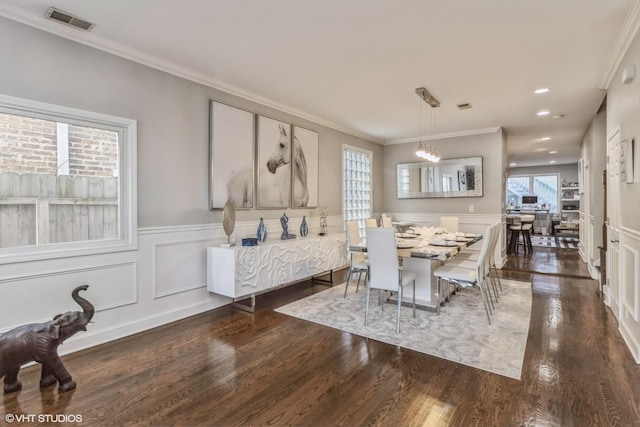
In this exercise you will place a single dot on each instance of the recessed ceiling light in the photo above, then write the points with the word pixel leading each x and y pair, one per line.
pixel 552 161
pixel 545 138
pixel 541 90
pixel 543 113
pixel 553 152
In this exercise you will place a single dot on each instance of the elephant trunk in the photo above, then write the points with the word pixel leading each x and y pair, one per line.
pixel 87 307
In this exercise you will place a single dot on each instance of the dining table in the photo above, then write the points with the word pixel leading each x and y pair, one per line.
pixel 423 252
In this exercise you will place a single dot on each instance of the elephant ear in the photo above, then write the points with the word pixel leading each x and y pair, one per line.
pixel 54 331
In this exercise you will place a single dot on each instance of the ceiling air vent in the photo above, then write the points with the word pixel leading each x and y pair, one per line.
pixel 464 106
pixel 67 18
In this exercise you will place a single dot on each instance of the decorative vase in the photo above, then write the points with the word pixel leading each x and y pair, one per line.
pixel 304 228
pixel 323 222
pixel 262 231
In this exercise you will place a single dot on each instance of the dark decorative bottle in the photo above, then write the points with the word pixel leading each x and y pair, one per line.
pixel 262 231
pixel 304 228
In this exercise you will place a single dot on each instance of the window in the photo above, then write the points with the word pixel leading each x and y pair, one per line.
pixel 67 181
pixel 356 185
pixel 545 187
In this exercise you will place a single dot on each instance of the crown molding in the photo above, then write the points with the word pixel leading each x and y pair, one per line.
pixel 625 37
pixel 443 136
pixel 97 42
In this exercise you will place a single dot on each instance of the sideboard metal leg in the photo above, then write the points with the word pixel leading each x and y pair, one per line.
pixel 329 281
pixel 251 308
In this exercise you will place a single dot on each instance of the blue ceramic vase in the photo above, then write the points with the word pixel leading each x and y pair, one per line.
pixel 262 231
pixel 304 228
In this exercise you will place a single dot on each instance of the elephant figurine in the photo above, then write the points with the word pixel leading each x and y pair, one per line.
pixel 39 342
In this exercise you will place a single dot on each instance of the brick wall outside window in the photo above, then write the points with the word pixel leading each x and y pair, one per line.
pixel 28 145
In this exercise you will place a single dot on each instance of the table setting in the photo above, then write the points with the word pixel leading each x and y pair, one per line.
pixel 433 242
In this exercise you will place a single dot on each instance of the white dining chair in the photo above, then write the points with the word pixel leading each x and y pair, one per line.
pixel 463 276
pixel 386 222
pixel 384 271
pixel 470 259
pixel 450 223
pixel 359 261
pixel 371 222
pixel 491 258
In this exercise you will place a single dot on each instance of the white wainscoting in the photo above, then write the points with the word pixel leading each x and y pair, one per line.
pixel 164 280
pixel 582 246
pixel 39 295
pixel 629 288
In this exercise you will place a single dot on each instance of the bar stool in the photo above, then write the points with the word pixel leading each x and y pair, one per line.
pixel 523 228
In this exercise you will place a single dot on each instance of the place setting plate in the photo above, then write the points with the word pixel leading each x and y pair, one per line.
pixel 404 245
pixel 406 235
pixel 443 243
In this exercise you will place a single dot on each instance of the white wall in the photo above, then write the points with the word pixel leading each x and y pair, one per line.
pixel 623 109
pixel 165 278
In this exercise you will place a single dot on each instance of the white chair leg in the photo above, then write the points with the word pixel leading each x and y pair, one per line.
pixel 497 276
pixel 346 286
pixel 414 298
pixel 399 305
pixel 358 282
pixel 487 296
pixel 484 300
pixel 438 286
pixel 493 284
pixel 366 307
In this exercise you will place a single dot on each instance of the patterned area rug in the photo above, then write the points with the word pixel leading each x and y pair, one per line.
pixel 550 242
pixel 460 333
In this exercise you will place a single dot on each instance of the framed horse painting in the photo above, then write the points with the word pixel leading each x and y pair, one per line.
pixel 304 168
pixel 230 156
pixel 274 163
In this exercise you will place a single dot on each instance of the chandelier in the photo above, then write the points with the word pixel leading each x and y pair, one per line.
pixel 425 151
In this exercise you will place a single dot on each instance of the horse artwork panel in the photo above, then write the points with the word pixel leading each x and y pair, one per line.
pixel 274 163
pixel 305 168
pixel 231 157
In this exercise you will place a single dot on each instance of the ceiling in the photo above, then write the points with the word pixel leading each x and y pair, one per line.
pixel 354 65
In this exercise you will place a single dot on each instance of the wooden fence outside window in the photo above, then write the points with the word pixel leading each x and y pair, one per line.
pixel 37 209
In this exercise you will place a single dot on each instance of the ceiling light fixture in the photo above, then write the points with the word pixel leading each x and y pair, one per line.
pixel 423 151
pixel 541 90
pixel 553 152
pixel 543 113
pixel 545 138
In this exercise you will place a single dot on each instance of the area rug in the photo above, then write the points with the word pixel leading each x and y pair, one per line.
pixel 460 333
pixel 550 242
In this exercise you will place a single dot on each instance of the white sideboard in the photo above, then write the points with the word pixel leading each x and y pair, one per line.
pixel 239 271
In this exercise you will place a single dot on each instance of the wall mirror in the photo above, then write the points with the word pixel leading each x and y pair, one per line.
pixel 447 178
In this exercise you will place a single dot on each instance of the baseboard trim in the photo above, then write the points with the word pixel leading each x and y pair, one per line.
pixel 88 340
pixel 629 339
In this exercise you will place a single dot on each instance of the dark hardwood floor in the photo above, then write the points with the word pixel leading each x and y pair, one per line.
pixel 227 367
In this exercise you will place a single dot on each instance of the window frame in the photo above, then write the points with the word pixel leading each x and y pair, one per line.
pixel 531 177
pixel 127 194
pixel 369 154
